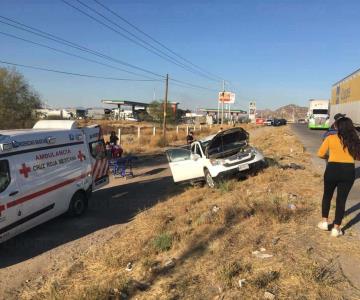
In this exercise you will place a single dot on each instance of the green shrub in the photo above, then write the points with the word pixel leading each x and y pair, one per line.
pixel 163 242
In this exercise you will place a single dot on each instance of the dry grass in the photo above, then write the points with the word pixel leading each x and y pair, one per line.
pixel 154 143
pixel 212 248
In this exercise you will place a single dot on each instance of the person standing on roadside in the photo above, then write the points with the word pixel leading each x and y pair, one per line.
pixel 341 149
pixel 332 129
pixel 190 138
pixel 113 138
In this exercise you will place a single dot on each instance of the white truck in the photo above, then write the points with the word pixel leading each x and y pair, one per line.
pixel 47 171
pixel 214 158
pixel 318 114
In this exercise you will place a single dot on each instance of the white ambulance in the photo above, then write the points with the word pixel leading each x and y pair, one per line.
pixel 47 171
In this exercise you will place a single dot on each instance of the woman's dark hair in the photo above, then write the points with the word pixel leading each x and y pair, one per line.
pixel 348 136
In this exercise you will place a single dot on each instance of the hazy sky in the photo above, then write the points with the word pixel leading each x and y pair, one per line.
pixel 274 52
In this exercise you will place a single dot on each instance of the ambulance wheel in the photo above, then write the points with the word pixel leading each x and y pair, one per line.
pixel 78 204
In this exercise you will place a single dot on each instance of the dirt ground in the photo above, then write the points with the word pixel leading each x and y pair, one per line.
pixel 212 250
pixel 38 253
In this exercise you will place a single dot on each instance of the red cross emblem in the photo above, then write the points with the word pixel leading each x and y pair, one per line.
pixel 25 170
pixel 81 156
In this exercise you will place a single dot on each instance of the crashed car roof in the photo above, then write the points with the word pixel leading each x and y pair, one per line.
pixel 207 138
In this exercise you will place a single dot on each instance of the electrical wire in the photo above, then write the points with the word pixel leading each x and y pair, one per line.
pixel 162 54
pixel 73 73
pixel 192 85
pixel 154 40
pixel 72 54
pixel 167 56
pixel 79 47
pixel 62 41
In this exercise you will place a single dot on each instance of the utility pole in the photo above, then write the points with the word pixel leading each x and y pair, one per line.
pixel 165 106
pixel 222 104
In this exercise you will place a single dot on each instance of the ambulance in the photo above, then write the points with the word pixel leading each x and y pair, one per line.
pixel 46 171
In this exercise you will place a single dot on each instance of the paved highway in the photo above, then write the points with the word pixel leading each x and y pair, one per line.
pixel 311 140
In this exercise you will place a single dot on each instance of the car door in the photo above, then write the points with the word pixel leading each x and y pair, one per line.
pixel 185 164
pixel 10 214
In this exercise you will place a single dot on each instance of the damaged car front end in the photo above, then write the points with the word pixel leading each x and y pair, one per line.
pixel 216 157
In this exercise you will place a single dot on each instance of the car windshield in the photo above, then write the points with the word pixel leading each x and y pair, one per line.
pixel 320 111
pixel 204 145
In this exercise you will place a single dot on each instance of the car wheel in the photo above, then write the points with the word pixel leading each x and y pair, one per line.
pixel 78 204
pixel 210 181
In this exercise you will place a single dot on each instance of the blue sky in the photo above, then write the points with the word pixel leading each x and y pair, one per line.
pixel 273 52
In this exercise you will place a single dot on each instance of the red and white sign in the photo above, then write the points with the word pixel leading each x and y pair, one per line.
pixel 226 97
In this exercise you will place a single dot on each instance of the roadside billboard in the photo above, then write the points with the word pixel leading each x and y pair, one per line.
pixel 226 97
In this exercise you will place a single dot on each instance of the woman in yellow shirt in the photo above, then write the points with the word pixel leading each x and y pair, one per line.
pixel 341 149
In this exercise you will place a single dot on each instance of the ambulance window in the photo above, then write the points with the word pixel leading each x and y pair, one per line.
pixel 97 149
pixel 4 175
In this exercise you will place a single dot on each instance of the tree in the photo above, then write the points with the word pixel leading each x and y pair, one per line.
pixel 156 111
pixel 17 100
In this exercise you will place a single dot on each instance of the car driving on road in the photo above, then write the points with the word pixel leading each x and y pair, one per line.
pixel 215 157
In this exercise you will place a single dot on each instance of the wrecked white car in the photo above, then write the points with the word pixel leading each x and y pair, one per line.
pixel 215 158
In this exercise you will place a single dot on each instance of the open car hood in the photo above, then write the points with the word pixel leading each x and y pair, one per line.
pixel 227 143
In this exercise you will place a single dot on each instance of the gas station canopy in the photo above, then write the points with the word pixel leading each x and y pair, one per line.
pixel 125 103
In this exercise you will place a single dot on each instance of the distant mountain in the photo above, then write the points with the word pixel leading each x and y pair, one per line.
pixel 288 112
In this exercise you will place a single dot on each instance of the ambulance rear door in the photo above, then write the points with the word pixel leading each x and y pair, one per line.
pixel 97 150
pixel 11 214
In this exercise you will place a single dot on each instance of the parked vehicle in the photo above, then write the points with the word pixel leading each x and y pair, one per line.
pixel 98 113
pixel 268 122
pixel 47 171
pixel 318 114
pixel 345 95
pixel 279 122
pixel 216 157
pixel 301 121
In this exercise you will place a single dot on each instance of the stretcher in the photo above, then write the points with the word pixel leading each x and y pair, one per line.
pixel 122 167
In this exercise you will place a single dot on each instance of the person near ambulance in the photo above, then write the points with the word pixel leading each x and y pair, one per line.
pixel 116 150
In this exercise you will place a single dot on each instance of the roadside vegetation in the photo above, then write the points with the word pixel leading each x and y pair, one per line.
pixel 248 239
pixel 17 100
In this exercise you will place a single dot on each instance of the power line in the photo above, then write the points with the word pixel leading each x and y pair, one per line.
pixel 163 55
pixel 153 39
pixel 71 54
pixel 73 73
pixel 79 47
pixel 62 41
pixel 167 56
pixel 192 85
